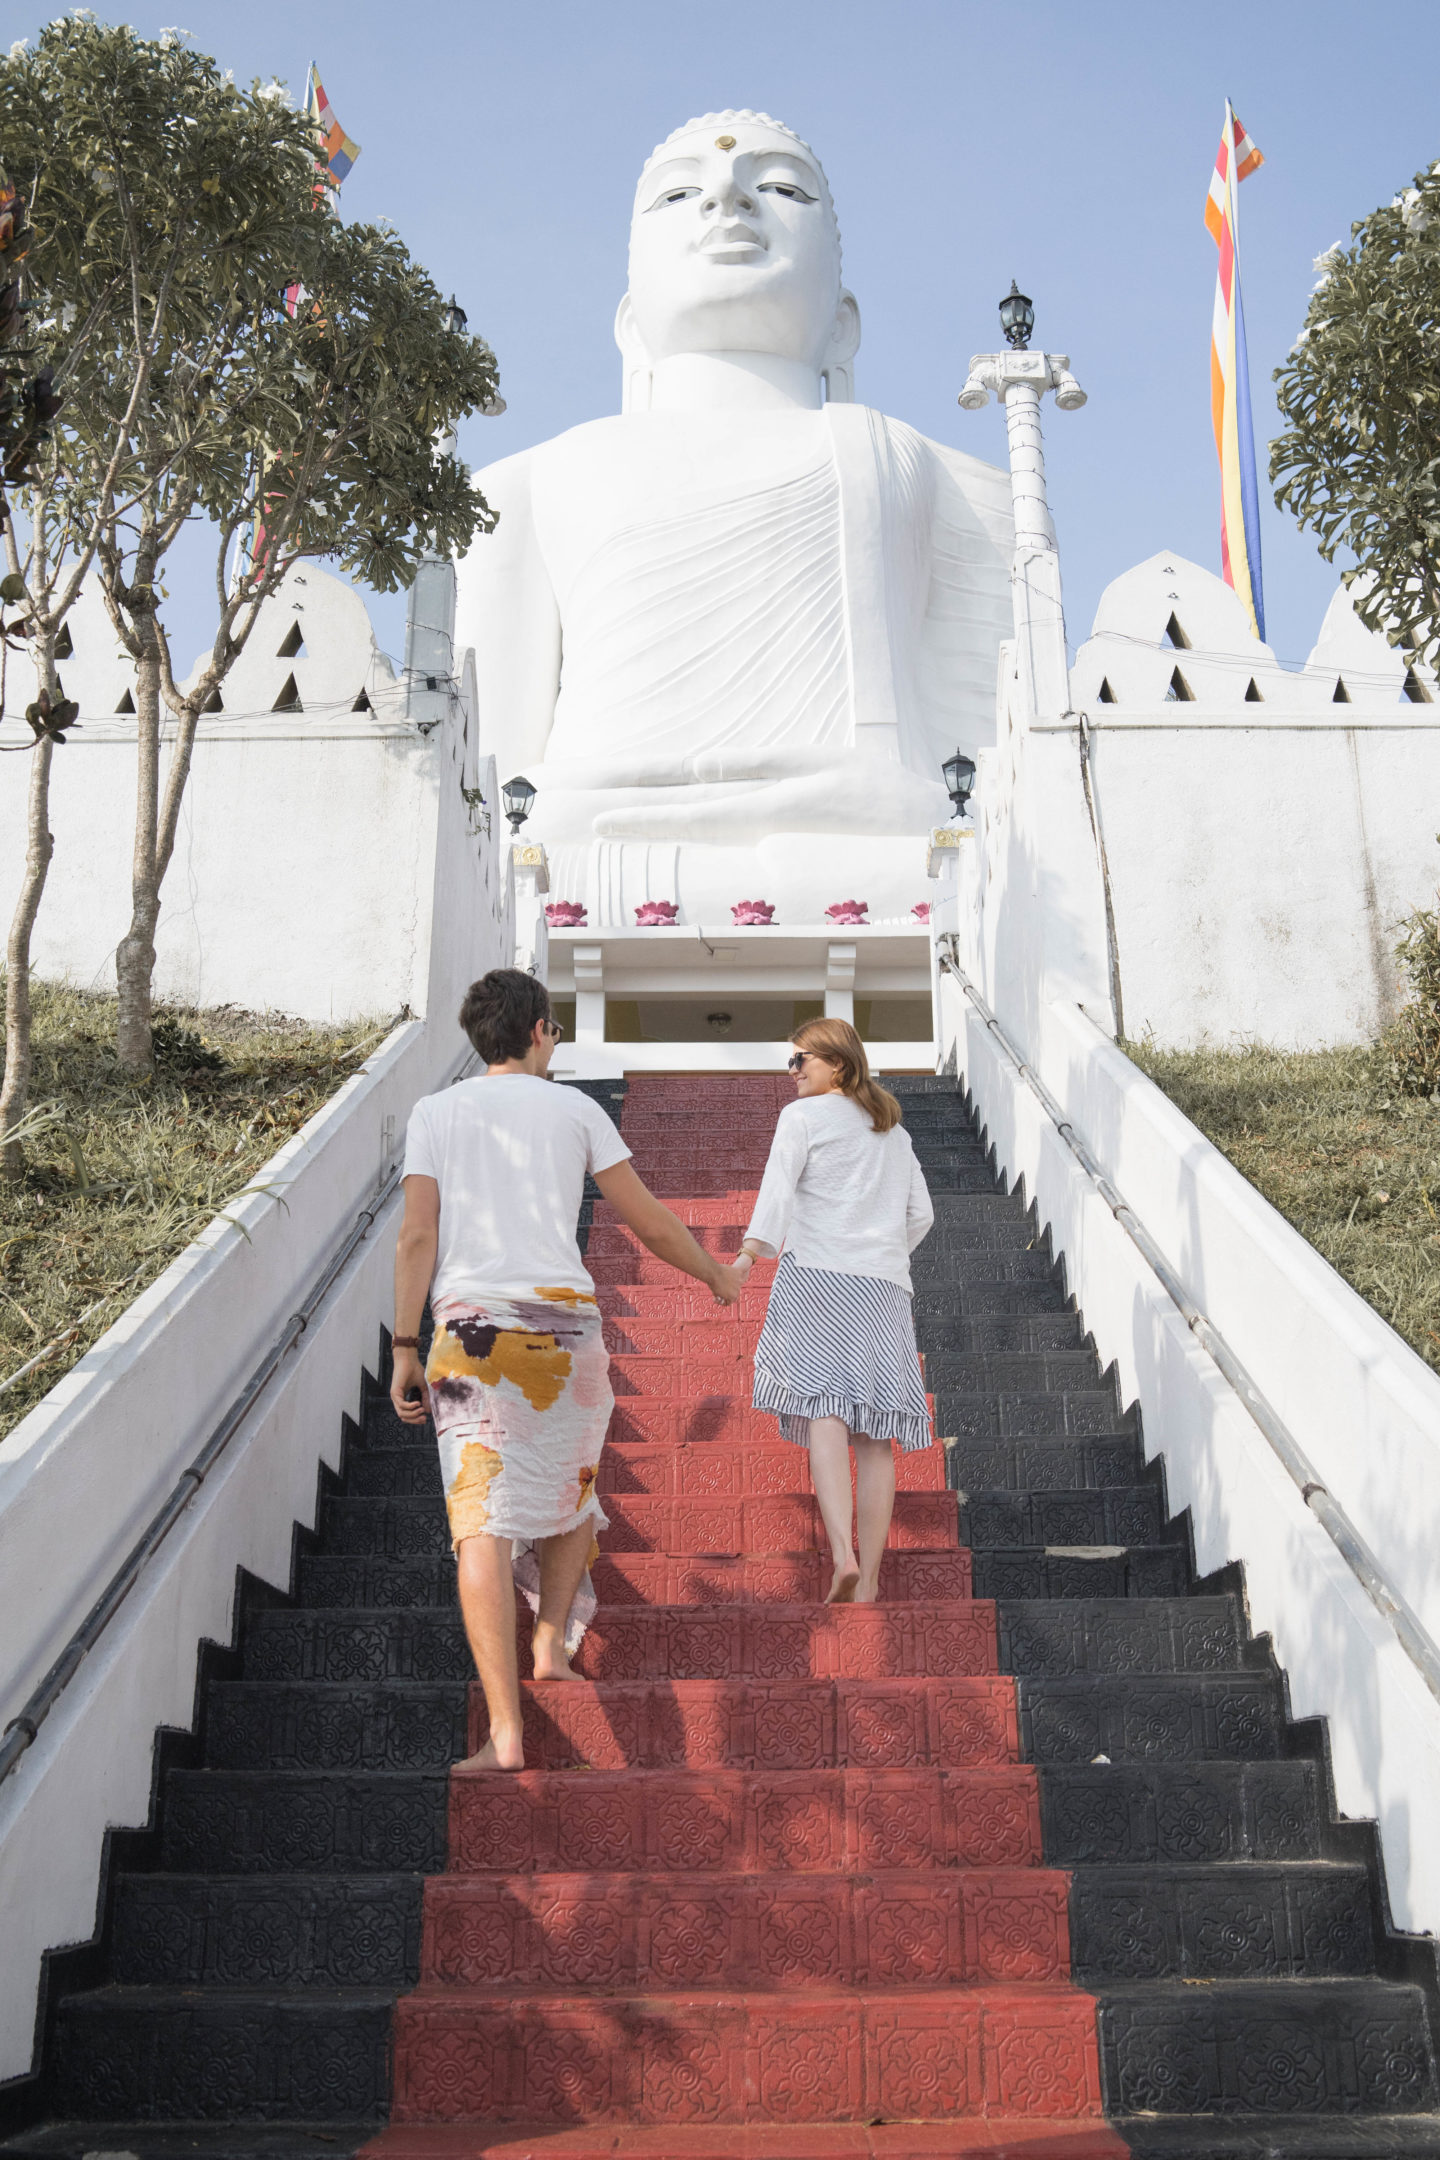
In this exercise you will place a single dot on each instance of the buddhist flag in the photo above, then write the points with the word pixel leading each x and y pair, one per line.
pixel 337 152
pixel 1235 160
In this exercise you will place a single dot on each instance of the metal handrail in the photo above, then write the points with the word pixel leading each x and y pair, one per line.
pixel 22 1730
pixel 1410 1632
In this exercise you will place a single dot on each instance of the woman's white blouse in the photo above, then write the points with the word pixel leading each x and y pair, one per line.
pixel 836 1194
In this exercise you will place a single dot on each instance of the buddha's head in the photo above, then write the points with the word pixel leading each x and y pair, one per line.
pixel 734 248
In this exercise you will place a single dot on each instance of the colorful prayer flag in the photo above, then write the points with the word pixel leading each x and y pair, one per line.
pixel 338 152
pixel 1236 159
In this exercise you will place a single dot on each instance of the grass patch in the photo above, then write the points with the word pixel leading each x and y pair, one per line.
pixel 120 1177
pixel 1329 1139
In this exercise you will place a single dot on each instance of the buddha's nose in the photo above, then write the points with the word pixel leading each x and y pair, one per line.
pixel 728 199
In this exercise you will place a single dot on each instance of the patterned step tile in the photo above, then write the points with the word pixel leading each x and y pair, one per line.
pixel 822 2057
pixel 1184 1812
pixel 1121 1635
pixel 1042 1463
pixel 1027 1332
pixel 781 1578
pixel 223 2055
pixel 409 1473
pixel 1121 1515
pixel 335 1725
pixel 1030 1372
pixel 945 1305
pixel 363 1581
pixel 1139 1571
pixel 685 1339
pixel 728 1821
pixel 680 1642
pixel 1277 2137
pixel 285 1931
pixel 1031 1413
pixel 701 1471
pixel 1144 1717
pixel 791 1932
pixel 764 1725
pixel 277 1822
pixel 1293 1921
pixel 1275 2047
pixel 766 1523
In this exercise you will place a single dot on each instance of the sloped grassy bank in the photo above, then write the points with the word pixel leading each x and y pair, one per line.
pixel 120 1177
pixel 1347 1157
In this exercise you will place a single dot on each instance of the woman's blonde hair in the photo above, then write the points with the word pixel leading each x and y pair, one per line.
pixel 837 1041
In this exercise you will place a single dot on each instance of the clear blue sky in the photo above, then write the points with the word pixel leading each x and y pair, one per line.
pixel 1067 145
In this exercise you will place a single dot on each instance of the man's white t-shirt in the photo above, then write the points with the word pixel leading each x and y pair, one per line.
pixel 509 1153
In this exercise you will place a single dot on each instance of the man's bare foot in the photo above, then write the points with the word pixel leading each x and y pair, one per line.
pixel 550 1658
pixel 842 1589
pixel 492 1757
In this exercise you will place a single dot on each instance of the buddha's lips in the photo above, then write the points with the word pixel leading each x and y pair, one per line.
pixel 733 245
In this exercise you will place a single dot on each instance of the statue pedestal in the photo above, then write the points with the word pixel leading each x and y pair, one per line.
pixel 799 874
pixel 711 996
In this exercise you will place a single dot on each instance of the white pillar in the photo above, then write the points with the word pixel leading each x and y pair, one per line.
pixel 532 882
pixel 840 983
pixel 589 994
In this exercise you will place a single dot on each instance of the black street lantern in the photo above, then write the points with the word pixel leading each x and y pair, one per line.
pixel 518 795
pixel 1017 317
pixel 455 318
pixel 959 774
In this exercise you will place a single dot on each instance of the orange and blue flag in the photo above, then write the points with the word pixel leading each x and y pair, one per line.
pixel 1236 159
pixel 337 152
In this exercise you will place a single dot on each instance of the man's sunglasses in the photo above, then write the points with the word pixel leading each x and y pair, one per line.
pixel 553 1029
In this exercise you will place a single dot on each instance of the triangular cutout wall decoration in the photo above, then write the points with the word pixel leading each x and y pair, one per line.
pixel 289 698
pixel 1179 692
pixel 1342 695
pixel 213 703
pixel 292 645
pixel 1252 695
pixel 64 644
pixel 126 704
pixel 1414 691
pixel 362 704
pixel 1175 636
pixel 1107 695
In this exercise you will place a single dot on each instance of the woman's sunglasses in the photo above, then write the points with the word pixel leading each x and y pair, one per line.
pixel 796 1063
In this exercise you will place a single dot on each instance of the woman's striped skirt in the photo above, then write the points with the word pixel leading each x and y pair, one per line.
pixel 841 1346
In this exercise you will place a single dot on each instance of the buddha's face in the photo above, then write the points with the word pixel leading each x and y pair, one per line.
pixel 733 249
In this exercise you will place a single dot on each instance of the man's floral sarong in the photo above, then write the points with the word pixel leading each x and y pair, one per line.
pixel 520 1394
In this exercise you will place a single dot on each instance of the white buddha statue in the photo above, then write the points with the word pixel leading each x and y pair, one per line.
pixel 731 633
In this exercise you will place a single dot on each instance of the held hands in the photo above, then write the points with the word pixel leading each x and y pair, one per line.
pixel 408 1373
pixel 728 1282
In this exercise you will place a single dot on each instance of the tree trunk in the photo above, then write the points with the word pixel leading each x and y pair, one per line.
pixel 135 954
pixel 40 845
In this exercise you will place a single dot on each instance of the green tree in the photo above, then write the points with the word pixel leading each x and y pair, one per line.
pixel 172 211
pixel 1359 461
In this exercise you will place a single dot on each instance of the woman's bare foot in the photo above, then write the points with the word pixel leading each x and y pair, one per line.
pixel 550 1658
pixel 842 1589
pixel 867 1593
pixel 494 1757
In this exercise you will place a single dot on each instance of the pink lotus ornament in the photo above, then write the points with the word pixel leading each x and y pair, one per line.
pixel 565 915
pixel 921 911
pixel 752 914
pixel 848 911
pixel 655 914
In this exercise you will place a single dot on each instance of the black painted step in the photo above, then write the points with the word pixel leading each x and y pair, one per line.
pixel 1088 1414
pixel 1001 1519
pixel 1003 1334
pixel 192 2140
pixel 331 1579
pixel 397 1529
pixel 938 1305
pixel 326 1725
pixel 392 1642
pixel 1123 1635
pixel 1187 1811
pixel 279 1822
pixel 1137 1571
pixel 221 2054
pixel 1245 1920
pixel 1276 2047
pixel 290 1931
pixel 1283 2137
pixel 1152 1718
pixel 1042 1462
pixel 401 1472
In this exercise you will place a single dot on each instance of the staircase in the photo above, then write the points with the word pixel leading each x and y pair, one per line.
pixel 949 1875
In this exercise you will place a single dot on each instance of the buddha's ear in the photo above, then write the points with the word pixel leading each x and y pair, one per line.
pixel 635 389
pixel 838 365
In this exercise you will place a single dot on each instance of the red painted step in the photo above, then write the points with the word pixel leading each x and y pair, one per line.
pixel 771 1886
pixel 731 1821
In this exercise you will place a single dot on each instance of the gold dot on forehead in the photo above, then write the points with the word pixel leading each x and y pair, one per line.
pixel 724 142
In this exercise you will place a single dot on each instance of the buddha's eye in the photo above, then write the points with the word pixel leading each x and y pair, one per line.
pixel 783 187
pixel 678 194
